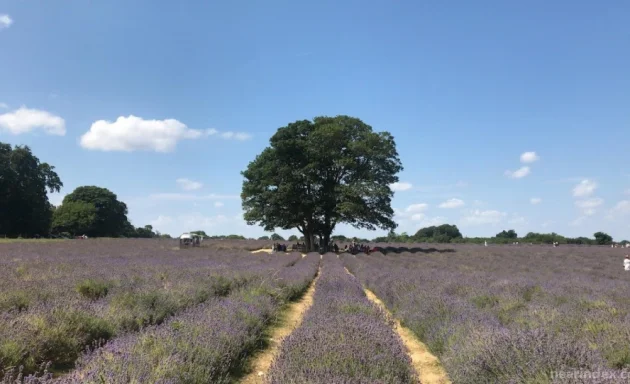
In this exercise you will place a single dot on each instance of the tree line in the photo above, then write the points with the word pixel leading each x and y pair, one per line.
pixel 26 212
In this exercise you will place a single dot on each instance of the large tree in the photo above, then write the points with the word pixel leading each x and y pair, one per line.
pixel 24 181
pixel 111 214
pixel 602 238
pixel 75 217
pixel 317 174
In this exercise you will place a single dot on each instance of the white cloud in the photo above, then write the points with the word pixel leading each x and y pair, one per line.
pixel 529 157
pixel 218 204
pixel 414 208
pixel 517 220
pixel 188 185
pixel 452 203
pixel 577 222
pixel 519 173
pixel 589 203
pixel 5 21
pixel 627 192
pixel 479 217
pixel 190 197
pixel 622 208
pixel 228 134
pixel 400 186
pixel 4 106
pixel 535 200
pixel 584 188
pixel 134 133
pixel 24 120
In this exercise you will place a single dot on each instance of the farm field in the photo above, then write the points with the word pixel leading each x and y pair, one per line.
pixel 135 311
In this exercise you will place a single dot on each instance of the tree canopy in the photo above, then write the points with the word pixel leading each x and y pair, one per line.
pixel 438 234
pixel 603 238
pixel 511 234
pixel 317 174
pixel 110 219
pixel 24 182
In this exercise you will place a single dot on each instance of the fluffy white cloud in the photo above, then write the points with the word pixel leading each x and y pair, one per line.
pixel 190 197
pixel 4 105
pixel 400 186
pixel 622 208
pixel 218 204
pixel 479 217
pixel 134 133
pixel 414 208
pixel 24 120
pixel 519 173
pixel 529 157
pixel 584 188
pixel 535 200
pixel 452 203
pixel 5 21
pixel 188 185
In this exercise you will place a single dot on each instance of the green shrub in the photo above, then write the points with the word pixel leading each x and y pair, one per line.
pixel 92 289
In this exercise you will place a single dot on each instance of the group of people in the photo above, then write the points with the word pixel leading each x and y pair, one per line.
pixel 277 247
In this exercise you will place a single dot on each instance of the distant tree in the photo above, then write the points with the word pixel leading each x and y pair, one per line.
pixel 202 233
pixel 317 174
pixel 511 234
pixel 75 217
pixel 276 237
pixel 602 238
pixel 439 234
pixel 24 180
pixel 292 238
pixel 111 214
pixel 145 232
pixel 263 238
pixel 339 238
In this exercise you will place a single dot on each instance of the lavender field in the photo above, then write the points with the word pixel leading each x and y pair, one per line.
pixel 143 311
pixel 510 314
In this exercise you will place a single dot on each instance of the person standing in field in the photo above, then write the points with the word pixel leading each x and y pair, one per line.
pixel 626 263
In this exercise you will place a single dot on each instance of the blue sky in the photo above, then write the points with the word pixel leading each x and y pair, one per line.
pixel 136 95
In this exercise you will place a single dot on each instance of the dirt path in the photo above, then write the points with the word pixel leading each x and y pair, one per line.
pixel 289 320
pixel 271 251
pixel 423 361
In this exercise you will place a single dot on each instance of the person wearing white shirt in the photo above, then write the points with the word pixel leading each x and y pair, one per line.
pixel 626 263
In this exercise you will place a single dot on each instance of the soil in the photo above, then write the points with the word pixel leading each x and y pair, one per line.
pixel 426 365
pixel 289 320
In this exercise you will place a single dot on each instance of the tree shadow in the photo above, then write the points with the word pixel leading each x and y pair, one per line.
pixel 387 250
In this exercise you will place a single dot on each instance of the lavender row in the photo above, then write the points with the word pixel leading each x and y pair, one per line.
pixel 343 338
pixel 207 344
pixel 139 288
pixel 509 316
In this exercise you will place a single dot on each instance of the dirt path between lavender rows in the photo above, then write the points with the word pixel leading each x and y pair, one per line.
pixel 289 320
pixel 426 365
pixel 271 251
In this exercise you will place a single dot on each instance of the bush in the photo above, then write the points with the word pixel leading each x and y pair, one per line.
pixel 92 289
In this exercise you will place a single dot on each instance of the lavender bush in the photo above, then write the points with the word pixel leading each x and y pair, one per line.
pixel 207 344
pixel 57 298
pixel 343 338
pixel 507 314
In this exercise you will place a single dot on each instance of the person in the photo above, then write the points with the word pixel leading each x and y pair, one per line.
pixel 626 263
pixel 336 247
